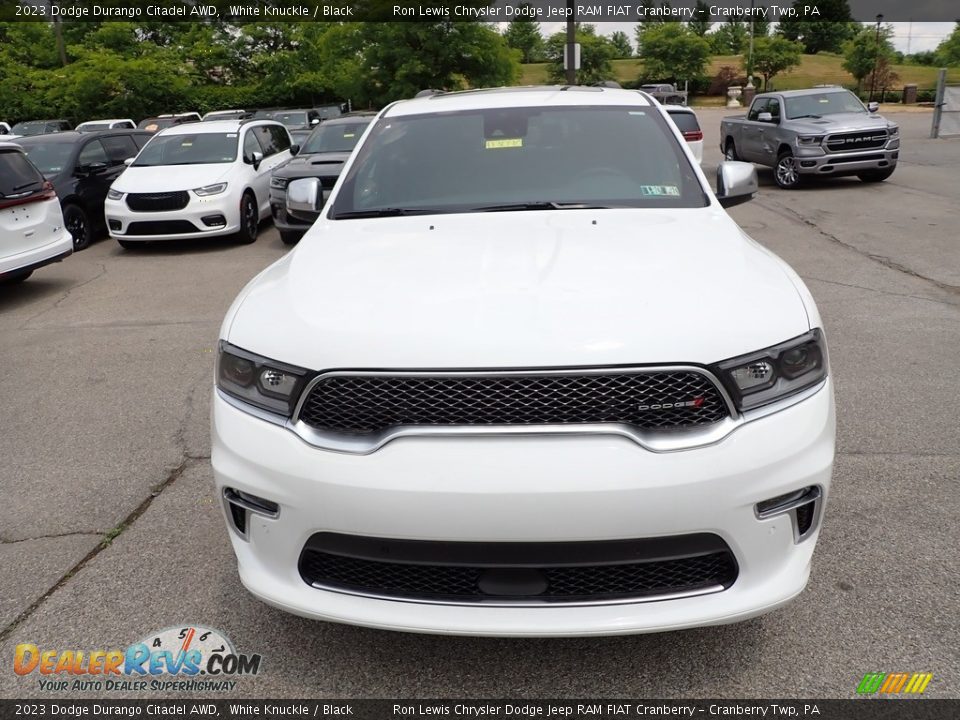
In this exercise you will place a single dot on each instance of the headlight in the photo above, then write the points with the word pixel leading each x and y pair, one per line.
pixel 279 183
pixel 115 194
pixel 894 131
pixel 261 382
pixel 210 189
pixel 809 139
pixel 768 375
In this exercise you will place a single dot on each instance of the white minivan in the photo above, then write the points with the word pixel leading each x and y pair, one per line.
pixel 198 180
pixel 32 232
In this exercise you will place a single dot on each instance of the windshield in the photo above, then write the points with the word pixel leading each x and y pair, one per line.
pixel 519 159
pixel 31 128
pixel 826 103
pixel 50 157
pixel 341 137
pixel 192 149
pixel 290 119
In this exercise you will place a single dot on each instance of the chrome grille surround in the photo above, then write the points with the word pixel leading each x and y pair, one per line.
pixel 851 141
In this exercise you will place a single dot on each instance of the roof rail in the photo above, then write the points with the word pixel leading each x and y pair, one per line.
pixel 608 84
pixel 427 92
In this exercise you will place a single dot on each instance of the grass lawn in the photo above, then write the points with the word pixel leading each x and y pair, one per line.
pixel 819 69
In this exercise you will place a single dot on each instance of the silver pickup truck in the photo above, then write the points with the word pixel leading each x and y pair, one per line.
pixel 823 131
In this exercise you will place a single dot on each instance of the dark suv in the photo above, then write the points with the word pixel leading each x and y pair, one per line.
pixel 29 128
pixel 322 156
pixel 82 167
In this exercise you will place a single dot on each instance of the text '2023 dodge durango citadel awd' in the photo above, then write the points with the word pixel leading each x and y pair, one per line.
pixel 524 376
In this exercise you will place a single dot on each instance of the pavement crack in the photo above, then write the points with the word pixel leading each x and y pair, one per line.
pixel 881 292
pixel 7 541
pixel 791 214
pixel 108 538
pixel 64 295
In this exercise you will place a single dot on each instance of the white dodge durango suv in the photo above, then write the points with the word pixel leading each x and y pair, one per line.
pixel 198 180
pixel 524 376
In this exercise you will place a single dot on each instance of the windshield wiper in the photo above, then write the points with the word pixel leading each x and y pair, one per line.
pixel 539 205
pixel 25 185
pixel 797 117
pixel 381 212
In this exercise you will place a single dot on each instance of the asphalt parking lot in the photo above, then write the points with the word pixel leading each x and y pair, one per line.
pixel 109 528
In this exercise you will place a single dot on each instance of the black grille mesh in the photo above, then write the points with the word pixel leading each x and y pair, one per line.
pixel 369 403
pixel 843 142
pixel 158 202
pixel 161 227
pixel 563 584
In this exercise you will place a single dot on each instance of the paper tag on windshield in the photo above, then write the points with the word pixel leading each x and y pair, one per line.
pixel 504 143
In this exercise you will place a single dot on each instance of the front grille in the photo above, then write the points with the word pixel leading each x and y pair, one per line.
pixel 158 202
pixel 364 404
pixel 518 572
pixel 867 140
pixel 162 227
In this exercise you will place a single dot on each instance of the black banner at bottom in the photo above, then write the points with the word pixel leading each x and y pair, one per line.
pixel 623 709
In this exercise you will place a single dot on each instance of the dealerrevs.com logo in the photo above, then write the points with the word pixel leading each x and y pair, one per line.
pixel 191 658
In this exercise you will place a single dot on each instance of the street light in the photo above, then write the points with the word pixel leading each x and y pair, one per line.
pixel 876 57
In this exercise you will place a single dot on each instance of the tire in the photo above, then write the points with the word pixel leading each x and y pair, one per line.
pixel 16 278
pixel 785 172
pixel 290 237
pixel 249 219
pixel 875 176
pixel 129 244
pixel 76 221
pixel 730 151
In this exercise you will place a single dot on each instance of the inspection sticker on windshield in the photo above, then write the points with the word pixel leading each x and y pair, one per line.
pixel 504 143
pixel 657 190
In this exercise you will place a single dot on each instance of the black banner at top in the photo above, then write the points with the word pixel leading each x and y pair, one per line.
pixel 478 10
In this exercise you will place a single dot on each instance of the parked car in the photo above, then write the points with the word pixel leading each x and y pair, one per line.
pixel 198 180
pixel 665 93
pixel 31 224
pixel 114 124
pixel 81 167
pixel 689 126
pixel 161 122
pixel 813 133
pixel 322 156
pixel 4 128
pixel 330 111
pixel 298 122
pixel 28 128
pixel 227 115
pixel 524 376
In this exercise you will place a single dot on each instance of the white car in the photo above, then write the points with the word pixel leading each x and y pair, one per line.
pixel 32 232
pixel 686 121
pixel 4 128
pixel 524 376
pixel 198 180
pixel 113 124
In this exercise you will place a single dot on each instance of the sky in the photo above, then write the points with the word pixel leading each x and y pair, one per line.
pixel 908 37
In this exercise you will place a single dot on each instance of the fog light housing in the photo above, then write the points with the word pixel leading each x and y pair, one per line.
pixel 115 224
pixel 240 505
pixel 214 220
pixel 803 506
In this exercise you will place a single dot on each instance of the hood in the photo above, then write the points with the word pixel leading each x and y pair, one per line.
pixel 519 289
pixel 313 165
pixel 168 178
pixel 840 122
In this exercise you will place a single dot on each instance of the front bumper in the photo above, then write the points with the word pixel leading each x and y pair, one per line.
pixel 119 217
pixel 528 488
pixel 814 161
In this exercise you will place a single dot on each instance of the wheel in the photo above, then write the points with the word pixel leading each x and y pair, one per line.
pixel 785 174
pixel 290 237
pixel 128 244
pixel 249 219
pixel 77 222
pixel 730 150
pixel 875 176
pixel 16 278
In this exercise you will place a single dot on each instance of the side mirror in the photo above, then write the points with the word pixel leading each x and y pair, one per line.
pixel 873 106
pixel 129 161
pixel 315 121
pixel 255 159
pixel 736 182
pixel 765 117
pixel 294 149
pixel 305 198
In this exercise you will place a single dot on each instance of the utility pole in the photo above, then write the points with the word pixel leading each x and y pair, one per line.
pixel 750 52
pixel 570 55
pixel 876 57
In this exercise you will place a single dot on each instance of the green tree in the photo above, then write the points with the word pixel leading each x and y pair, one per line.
pixel 948 51
pixel 700 24
pixel 732 37
pixel 671 51
pixel 773 55
pixel 826 33
pixel 863 52
pixel 524 35
pixel 621 43
pixel 596 52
